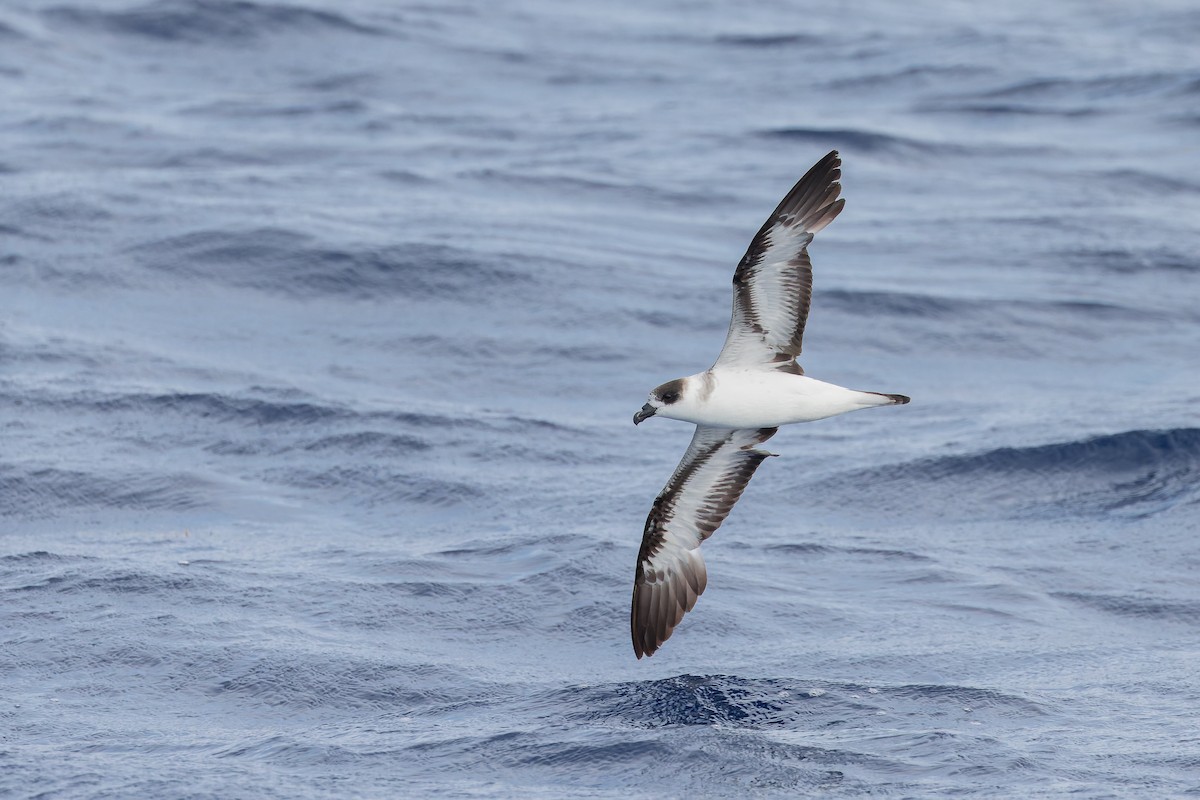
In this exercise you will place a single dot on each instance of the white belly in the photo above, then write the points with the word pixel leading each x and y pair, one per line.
pixel 768 399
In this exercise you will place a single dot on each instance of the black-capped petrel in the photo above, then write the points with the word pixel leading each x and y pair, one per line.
pixel 754 387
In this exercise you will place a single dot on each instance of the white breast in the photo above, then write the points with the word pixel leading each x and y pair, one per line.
pixel 758 398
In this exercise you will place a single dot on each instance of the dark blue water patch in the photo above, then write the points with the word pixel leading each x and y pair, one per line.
pixel 768 40
pixel 1116 454
pixel 692 700
pixel 1129 475
pixel 768 705
pixel 206 21
pixel 289 263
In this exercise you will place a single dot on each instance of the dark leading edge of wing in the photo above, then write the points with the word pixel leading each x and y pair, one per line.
pixel 670 571
pixel 772 286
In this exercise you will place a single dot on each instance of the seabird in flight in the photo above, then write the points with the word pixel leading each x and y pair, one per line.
pixel 754 387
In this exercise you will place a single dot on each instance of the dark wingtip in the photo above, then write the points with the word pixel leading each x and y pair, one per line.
pixel 813 202
pixel 643 648
pixel 899 399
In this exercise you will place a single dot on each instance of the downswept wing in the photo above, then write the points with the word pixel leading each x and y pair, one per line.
pixel 772 286
pixel 670 571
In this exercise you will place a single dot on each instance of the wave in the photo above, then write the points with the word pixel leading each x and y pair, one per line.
pixel 1116 454
pixel 1150 184
pixel 713 700
pixel 914 76
pixel 1137 607
pixel 870 304
pixel 768 40
pixel 127 582
pixel 1126 261
pixel 223 407
pixel 35 492
pixel 9 32
pixel 358 443
pixel 1097 88
pixel 1067 97
pixel 238 109
pixel 332 681
pixel 196 21
pixel 863 140
pixel 375 485
pixel 290 263
pixel 1135 473
pixel 287 410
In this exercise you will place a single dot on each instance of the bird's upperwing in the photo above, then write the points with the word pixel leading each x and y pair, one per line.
pixel 670 571
pixel 772 286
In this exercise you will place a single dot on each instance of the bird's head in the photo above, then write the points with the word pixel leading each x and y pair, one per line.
pixel 664 401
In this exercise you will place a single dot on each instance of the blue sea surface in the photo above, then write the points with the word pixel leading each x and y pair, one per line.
pixel 321 329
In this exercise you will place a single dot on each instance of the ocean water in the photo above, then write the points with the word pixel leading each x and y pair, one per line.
pixel 321 329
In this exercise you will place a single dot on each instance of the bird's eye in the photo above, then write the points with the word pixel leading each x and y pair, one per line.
pixel 670 397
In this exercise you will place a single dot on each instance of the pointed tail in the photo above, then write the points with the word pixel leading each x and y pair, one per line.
pixel 894 399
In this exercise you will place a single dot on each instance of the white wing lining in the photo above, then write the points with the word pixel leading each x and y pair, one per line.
pixel 772 285
pixel 671 575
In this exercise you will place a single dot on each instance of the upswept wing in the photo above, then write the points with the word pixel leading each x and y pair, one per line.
pixel 670 571
pixel 772 286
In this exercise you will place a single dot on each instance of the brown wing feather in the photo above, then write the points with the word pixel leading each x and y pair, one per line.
pixel 696 500
pixel 772 285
